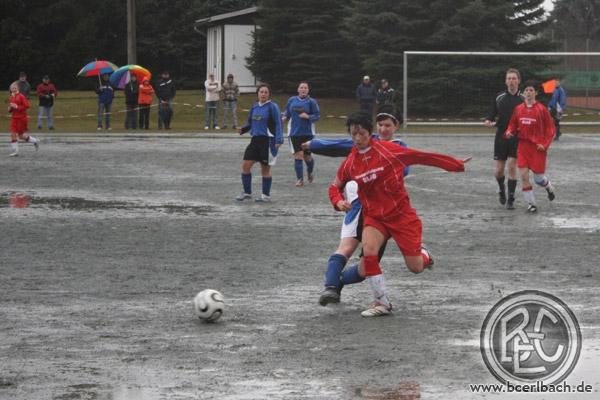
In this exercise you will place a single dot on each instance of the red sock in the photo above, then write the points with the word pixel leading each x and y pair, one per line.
pixel 371 264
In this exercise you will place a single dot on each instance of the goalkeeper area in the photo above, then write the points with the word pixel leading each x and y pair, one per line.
pixel 107 239
pixel 457 88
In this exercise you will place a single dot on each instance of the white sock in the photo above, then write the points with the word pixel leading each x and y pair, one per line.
pixel 32 140
pixel 377 284
pixel 529 196
pixel 14 146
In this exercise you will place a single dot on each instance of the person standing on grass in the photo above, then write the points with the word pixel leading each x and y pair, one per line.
pixel 213 88
pixel 146 91
pixel 366 94
pixel 302 111
pixel 505 150
pixel 23 84
pixel 264 125
pixel 106 95
pixel 385 94
pixel 165 91
pixel 17 107
pixel 532 123
pixel 231 92
pixel 46 92
pixel 132 91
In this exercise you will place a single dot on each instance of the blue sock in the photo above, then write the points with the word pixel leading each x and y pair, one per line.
pixel 266 185
pixel 247 183
pixel 335 265
pixel 350 275
pixel 310 165
pixel 298 168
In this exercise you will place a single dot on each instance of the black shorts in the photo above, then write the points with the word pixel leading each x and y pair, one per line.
pixel 258 150
pixel 297 143
pixel 504 148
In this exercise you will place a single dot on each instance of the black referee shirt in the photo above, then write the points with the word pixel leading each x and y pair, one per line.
pixel 502 107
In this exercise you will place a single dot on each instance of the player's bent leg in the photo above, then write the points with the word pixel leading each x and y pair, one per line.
pixel 372 240
pixel 543 181
pixel 310 167
pixel 499 174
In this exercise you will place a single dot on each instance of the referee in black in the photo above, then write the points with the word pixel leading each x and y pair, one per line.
pixel 506 149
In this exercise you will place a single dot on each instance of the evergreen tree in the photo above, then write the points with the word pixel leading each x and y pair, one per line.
pixel 302 41
pixel 383 29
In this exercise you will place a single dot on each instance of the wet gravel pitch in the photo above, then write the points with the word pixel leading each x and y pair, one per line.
pixel 105 241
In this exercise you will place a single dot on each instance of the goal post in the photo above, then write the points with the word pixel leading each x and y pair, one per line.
pixel 450 71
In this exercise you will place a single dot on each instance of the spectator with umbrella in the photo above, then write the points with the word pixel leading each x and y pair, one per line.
pixel 102 69
pixel 128 78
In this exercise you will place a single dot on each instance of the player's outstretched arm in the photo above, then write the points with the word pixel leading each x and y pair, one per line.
pixel 330 147
pixel 418 157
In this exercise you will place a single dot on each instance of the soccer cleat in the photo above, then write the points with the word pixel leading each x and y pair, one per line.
pixel 299 182
pixel 551 195
pixel 532 208
pixel 502 198
pixel 311 178
pixel 14 154
pixel 331 294
pixel 263 199
pixel 430 263
pixel 510 205
pixel 377 309
pixel 243 196
pixel 37 146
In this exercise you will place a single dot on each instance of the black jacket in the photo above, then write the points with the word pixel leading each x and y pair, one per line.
pixel 502 107
pixel 165 90
pixel 131 90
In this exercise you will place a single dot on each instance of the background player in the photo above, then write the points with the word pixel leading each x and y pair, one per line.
pixel 264 124
pixel 17 107
pixel 505 150
pixel 534 126
pixel 302 111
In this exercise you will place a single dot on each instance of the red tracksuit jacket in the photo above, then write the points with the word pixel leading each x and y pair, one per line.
pixel 379 173
pixel 22 105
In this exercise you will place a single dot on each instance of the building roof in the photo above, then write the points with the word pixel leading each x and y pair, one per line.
pixel 223 17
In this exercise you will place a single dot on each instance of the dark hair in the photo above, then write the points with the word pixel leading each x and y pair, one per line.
pixel 360 118
pixel 166 73
pixel 387 111
pixel 532 83
pixel 307 84
pixel 264 85
pixel 22 73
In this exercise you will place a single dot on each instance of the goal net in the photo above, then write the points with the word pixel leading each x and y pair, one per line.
pixel 457 88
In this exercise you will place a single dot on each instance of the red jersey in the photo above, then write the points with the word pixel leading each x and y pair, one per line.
pixel 22 105
pixel 379 173
pixel 533 124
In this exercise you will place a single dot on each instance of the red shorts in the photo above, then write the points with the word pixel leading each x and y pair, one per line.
pixel 406 230
pixel 528 156
pixel 18 125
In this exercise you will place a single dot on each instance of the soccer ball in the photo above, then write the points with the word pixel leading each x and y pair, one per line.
pixel 209 305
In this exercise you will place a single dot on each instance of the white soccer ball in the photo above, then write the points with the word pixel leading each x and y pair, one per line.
pixel 209 305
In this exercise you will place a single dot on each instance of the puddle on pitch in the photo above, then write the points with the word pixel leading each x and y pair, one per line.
pixel 26 200
pixel 409 390
pixel 589 224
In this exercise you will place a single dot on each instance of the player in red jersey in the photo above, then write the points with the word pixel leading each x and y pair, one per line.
pixel 17 107
pixel 378 169
pixel 534 126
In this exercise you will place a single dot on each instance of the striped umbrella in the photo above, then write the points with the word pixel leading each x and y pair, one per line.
pixel 97 68
pixel 122 76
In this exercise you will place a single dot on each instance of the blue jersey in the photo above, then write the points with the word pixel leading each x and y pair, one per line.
pixel 265 120
pixel 299 126
pixel 343 147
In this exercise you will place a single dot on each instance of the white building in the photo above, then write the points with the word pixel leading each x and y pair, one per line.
pixel 228 43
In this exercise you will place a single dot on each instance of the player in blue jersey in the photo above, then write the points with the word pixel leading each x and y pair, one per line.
pixel 264 125
pixel 336 276
pixel 301 113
